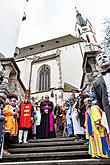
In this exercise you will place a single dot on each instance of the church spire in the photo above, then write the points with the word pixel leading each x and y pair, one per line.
pixel 85 30
pixel 80 19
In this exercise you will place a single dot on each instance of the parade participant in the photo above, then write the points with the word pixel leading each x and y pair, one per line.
pixel 101 86
pixel 9 126
pixel 37 119
pixel 10 114
pixel 47 128
pixel 2 121
pixel 58 111
pixel 69 118
pixel 95 131
pixel 14 103
pixel 90 99
pixel 64 122
pixel 25 119
pixel 81 108
pixel 78 130
pixel 87 119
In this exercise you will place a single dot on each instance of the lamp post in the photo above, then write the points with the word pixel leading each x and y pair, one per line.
pixel 29 88
pixel 34 59
pixel 56 99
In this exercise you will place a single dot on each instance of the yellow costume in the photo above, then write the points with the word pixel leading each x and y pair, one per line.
pixel 98 139
pixel 11 124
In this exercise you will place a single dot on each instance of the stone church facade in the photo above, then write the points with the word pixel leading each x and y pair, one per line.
pixel 61 65
pixel 10 82
pixel 52 67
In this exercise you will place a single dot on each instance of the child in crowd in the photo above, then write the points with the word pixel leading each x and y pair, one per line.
pixel 37 120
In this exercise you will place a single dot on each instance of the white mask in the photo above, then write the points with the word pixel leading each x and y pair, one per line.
pixel 103 60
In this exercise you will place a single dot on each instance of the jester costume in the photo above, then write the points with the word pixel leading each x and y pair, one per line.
pixel 98 140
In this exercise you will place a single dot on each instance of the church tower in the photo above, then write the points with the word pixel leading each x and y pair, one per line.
pixel 85 30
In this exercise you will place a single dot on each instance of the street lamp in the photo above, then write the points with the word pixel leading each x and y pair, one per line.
pixel 34 59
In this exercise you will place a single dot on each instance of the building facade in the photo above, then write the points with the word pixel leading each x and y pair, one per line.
pixel 10 82
pixel 52 66
pixel 58 66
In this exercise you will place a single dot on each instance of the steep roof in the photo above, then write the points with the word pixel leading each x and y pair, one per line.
pixel 69 88
pixel 47 45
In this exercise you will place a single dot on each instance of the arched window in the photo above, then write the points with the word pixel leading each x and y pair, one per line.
pixel 44 78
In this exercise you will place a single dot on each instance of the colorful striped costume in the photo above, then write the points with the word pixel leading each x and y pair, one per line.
pixel 99 144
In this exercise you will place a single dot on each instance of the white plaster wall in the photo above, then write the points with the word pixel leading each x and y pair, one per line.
pixel 11 13
pixel 53 70
pixel 71 65
pixel 24 67
pixel 21 92
pixel 66 95
pixel 47 53
pixel 59 101
pixel 71 69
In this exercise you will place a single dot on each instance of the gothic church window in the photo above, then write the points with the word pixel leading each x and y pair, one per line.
pixel 44 78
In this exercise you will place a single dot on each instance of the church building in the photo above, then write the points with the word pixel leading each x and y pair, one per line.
pixel 51 67
pixel 55 67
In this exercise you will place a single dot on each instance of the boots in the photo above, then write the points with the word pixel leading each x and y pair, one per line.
pixel 20 136
pixel 25 136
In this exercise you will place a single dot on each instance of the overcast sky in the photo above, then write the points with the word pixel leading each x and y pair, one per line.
pixel 47 19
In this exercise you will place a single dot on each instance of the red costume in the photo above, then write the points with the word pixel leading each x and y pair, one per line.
pixel 25 115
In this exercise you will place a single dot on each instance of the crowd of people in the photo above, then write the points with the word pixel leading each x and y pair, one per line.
pixel 83 116
pixel 23 120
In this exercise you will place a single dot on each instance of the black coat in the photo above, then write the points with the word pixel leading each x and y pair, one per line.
pixel 82 109
pixel 100 90
pixel 44 129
